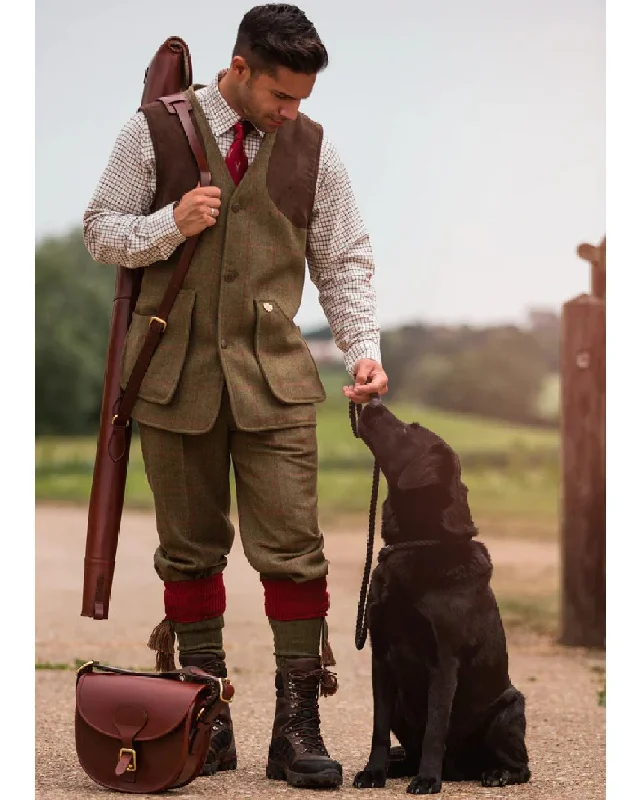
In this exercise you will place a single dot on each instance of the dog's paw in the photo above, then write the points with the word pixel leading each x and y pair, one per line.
pixel 399 765
pixel 421 785
pixel 370 779
pixel 504 777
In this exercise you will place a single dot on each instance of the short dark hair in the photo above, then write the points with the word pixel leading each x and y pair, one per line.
pixel 280 35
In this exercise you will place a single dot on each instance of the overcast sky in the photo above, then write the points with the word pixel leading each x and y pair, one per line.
pixel 473 132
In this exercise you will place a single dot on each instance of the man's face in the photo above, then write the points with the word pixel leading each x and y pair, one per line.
pixel 268 101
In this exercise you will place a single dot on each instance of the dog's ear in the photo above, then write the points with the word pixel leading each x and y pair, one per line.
pixel 423 471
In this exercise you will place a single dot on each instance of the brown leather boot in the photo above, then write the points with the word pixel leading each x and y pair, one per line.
pixel 222 750
pixel 297 753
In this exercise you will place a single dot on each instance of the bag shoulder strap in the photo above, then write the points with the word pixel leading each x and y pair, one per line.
pixel 175 104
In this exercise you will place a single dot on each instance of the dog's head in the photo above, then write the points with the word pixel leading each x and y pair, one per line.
pixel 423 474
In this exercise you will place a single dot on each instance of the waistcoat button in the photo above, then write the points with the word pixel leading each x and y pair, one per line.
pixel 223 344
pixel 230 276
pixel 235 207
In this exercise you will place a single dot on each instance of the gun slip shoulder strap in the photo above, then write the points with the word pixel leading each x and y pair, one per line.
pixel 175 104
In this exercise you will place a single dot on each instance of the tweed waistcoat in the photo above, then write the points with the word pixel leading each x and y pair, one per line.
pixel 232 320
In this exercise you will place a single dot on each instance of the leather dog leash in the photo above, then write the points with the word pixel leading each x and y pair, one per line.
pixel 362 627
pixel 361 620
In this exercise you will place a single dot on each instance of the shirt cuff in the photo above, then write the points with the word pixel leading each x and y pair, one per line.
pixel 169 236
pixel 362 349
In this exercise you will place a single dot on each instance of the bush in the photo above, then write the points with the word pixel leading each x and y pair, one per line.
pixel 73 300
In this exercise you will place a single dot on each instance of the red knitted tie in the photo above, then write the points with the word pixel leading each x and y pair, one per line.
pixel 236 159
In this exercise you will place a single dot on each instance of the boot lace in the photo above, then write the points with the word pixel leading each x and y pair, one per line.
pixel 304 723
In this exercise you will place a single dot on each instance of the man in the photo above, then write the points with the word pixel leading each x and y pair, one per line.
pixel 232 379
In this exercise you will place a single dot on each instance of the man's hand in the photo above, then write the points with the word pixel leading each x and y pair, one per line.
pixel 370 379
pixel 197 210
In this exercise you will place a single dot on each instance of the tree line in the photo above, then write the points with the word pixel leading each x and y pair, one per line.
pixel 495 371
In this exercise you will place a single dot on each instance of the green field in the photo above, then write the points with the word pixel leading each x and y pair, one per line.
pixel 511 470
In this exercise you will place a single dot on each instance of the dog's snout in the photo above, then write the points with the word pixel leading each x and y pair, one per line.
pixel 370 413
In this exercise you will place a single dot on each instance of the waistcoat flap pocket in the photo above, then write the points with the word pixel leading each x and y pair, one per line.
pixel 161 378
pixel 286 363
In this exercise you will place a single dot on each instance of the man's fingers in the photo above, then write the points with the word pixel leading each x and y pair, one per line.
pixel 367 390
pixel 208 191
pixel 362 391
pixel 370 381
pixel 378 384
pixel 209 202
pixel 356 395
pixel 362 375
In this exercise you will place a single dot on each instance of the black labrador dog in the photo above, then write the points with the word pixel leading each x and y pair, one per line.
pixel 439 656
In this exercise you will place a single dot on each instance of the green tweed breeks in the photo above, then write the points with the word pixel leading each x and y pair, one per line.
pixel 276 487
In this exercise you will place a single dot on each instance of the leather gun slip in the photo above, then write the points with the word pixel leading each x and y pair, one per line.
pixel 169 72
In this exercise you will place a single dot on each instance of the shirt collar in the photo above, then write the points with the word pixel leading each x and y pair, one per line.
pixel 218 112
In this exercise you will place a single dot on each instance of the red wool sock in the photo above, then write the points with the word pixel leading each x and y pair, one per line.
pixel 195 600
pixel 286 600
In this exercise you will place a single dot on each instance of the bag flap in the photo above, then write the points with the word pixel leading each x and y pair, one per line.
pixel 101 699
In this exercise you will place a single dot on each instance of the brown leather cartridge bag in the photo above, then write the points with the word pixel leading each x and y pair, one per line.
pixel 140 732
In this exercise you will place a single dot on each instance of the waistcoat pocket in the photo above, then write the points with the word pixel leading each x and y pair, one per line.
pixel 285 361
pixel 161 378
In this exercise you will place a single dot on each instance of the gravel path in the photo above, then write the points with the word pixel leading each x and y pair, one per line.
pixel 566 728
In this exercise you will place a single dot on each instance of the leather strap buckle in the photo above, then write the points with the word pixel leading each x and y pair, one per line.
pixel 169 100
pixel 225 696
pixel 128 751
pixel 161 321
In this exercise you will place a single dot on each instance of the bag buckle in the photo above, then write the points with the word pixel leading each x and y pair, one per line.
pixel 223 683
pixel 130 752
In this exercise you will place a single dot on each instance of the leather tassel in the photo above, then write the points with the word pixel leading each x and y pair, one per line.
pixel 327 656
pixel 328 683
pixel 162 640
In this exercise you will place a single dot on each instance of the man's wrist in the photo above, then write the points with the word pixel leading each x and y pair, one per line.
pixel 176 227
pixel 361 350
pixel 171 232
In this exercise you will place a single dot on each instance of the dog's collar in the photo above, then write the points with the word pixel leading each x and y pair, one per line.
pixel 386 551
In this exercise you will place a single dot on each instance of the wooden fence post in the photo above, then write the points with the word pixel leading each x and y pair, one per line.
pixel 583 520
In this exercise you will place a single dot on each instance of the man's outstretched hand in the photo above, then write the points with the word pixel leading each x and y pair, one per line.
pixel 370 379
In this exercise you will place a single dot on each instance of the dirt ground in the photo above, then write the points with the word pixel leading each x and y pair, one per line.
pixel 566 727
